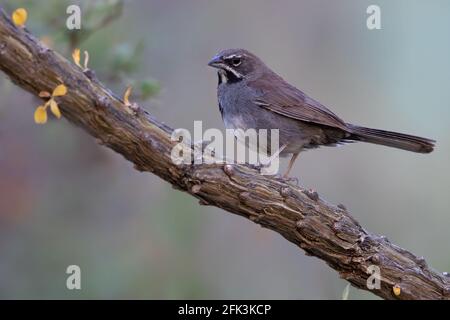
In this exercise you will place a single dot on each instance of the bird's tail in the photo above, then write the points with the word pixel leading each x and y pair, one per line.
pixel 391 139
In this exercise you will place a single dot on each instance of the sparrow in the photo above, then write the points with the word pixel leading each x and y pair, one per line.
pixel 251 95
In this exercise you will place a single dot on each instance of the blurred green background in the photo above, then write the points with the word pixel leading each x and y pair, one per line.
pixel 66 200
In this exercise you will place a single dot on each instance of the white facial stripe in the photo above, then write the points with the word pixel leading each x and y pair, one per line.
pixel 231 56
pixel 223 76
pixel 236 74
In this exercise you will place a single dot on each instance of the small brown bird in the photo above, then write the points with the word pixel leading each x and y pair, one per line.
pixel 253 96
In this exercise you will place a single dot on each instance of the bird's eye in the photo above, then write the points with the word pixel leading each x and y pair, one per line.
pixel 236 61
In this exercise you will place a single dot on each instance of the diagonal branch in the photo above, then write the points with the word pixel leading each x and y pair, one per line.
pixel 320 229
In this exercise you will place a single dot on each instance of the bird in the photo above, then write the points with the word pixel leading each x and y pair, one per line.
pixel 251 95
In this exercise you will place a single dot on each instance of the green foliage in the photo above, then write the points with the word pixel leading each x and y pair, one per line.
pixel 126 57
pixel 149 88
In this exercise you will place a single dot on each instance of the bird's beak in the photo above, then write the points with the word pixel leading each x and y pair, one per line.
pixel 216 62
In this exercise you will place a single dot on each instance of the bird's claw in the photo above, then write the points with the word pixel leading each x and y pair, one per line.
pixel 295 180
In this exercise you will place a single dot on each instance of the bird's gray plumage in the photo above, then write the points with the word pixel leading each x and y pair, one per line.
pixel 251 95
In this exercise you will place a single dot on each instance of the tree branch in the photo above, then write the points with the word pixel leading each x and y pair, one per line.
pixel 320 229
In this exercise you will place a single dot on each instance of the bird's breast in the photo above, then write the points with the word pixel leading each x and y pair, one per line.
pixel 236 107
pixel 233 121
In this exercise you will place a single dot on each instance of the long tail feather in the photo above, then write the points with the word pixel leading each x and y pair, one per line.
pixel 391 139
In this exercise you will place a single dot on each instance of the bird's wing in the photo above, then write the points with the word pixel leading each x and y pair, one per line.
pixel 280 97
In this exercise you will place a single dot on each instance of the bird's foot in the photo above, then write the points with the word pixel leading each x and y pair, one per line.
pixel 267 169
pixel 292 180
pixel 258 167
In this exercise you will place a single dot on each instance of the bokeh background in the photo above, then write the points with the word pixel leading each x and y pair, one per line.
pixel 66 200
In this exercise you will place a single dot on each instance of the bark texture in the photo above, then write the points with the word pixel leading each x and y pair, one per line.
pixel 322 230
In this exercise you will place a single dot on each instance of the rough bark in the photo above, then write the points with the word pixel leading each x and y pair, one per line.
pixel 322 230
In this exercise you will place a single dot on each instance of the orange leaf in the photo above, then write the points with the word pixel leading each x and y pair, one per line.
pixel 19 17
pixel 76 57
pixel 59 91
pixel 55 109
pixel 396 289
pixel 40 115
pixel 126 97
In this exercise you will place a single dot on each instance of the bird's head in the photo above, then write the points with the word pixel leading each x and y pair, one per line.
pixel 235 64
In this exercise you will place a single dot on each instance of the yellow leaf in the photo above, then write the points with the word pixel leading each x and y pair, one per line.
pixel 55 109
pixel 126 97
pixel 44 94
pixel 76 57
pixel 40 115
pixel 396 289
pixel 60 90
pixel 47 104
pixel 19 17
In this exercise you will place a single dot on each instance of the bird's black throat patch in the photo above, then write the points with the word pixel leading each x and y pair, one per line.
pixel 225 76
